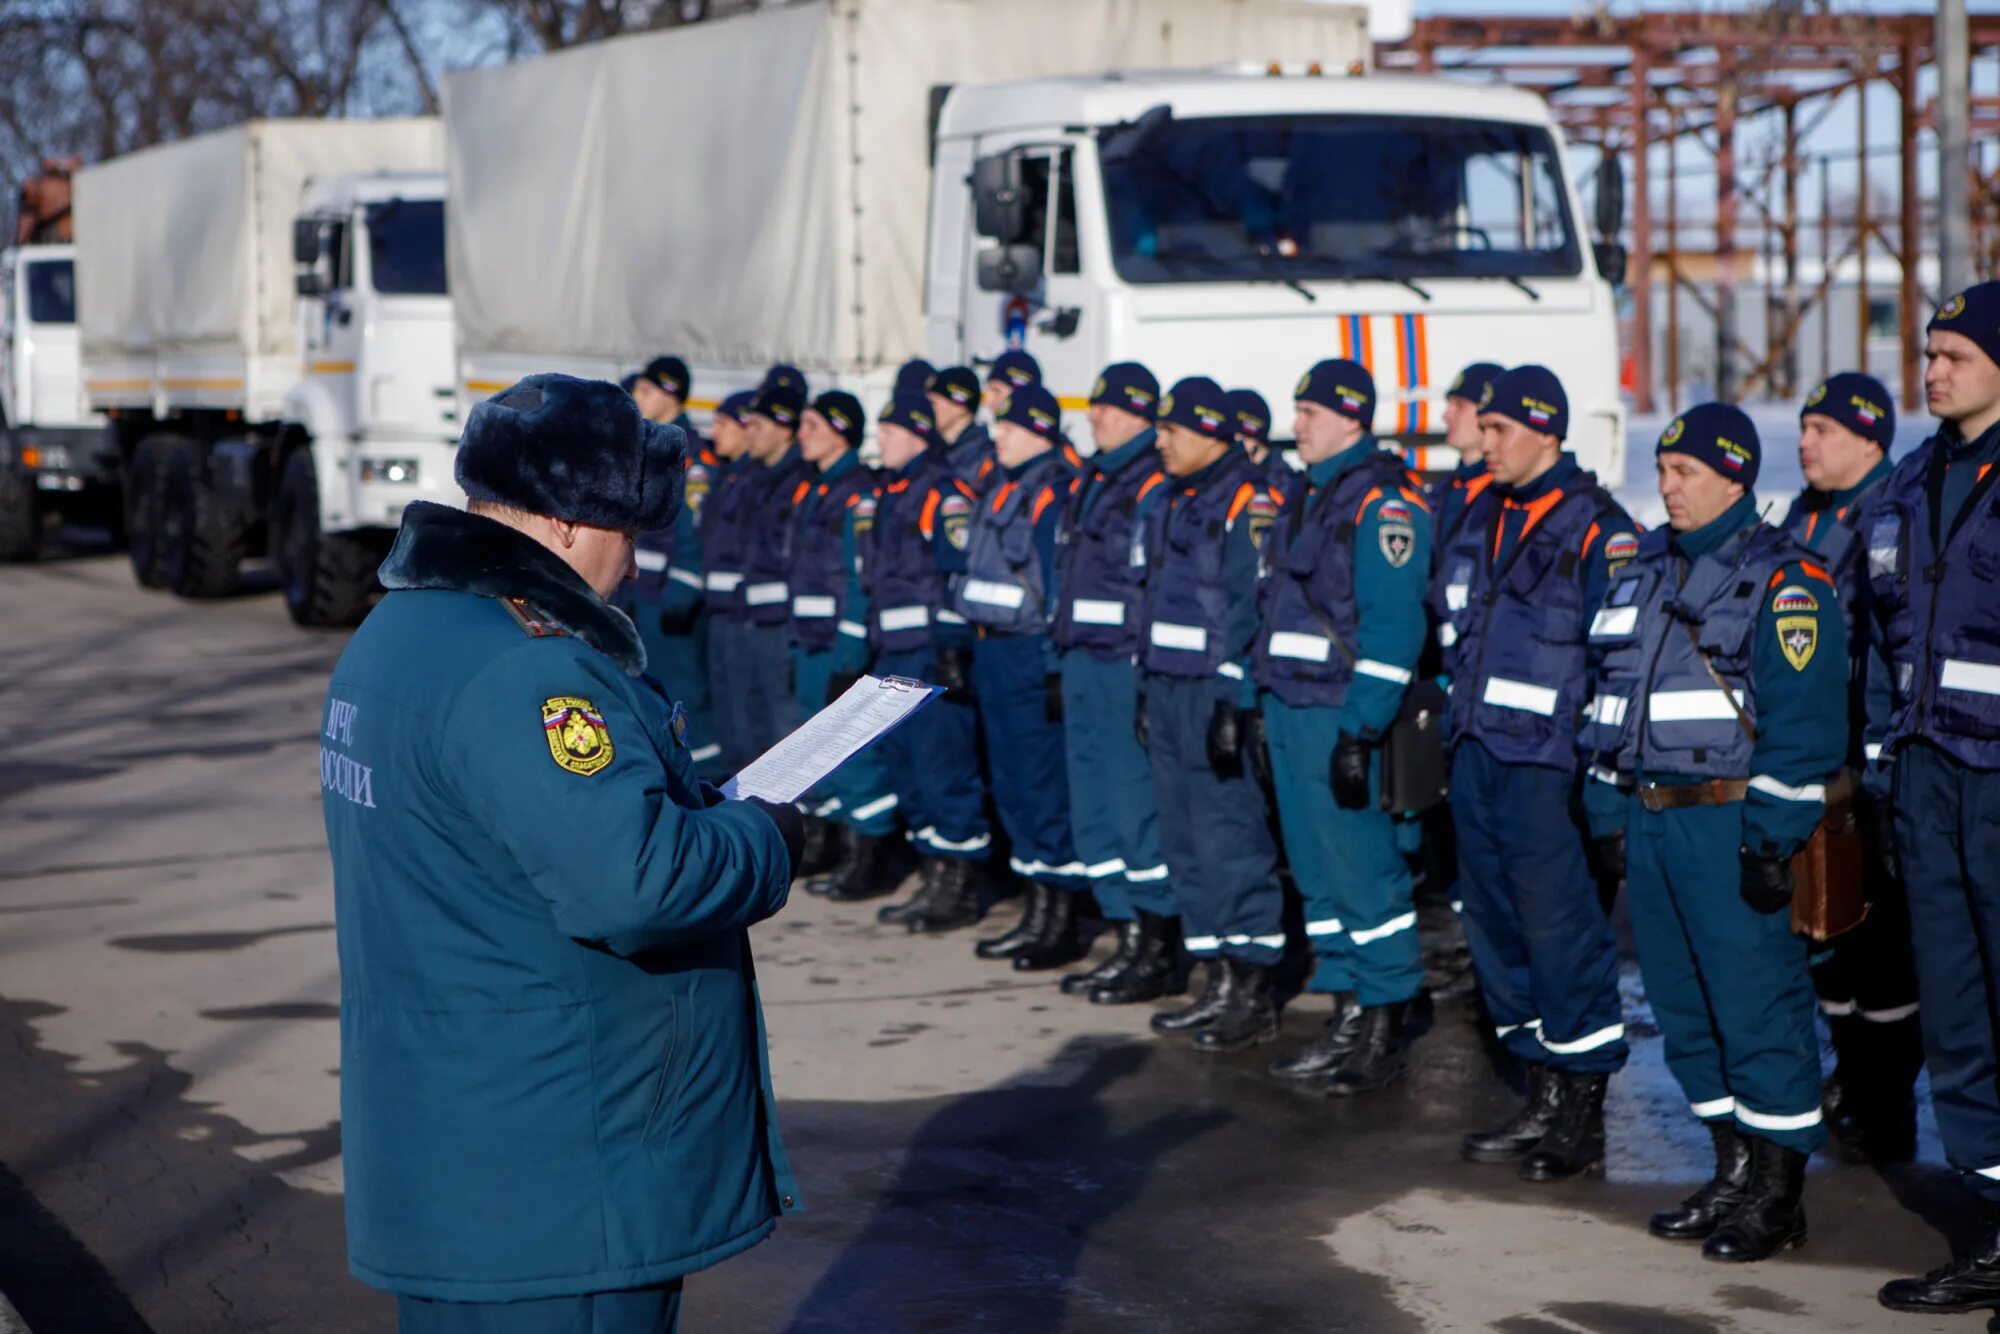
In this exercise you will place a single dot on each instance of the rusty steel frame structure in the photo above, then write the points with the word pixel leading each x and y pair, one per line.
pixel 1627 83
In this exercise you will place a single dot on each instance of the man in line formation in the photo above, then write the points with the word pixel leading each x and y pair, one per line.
pixel 1147 633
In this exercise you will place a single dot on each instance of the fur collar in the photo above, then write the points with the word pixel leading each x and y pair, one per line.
pixel 446 548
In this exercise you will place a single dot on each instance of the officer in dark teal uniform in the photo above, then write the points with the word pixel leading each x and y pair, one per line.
pixel 1515 592
pixel 1865 977
pixel 968 446
pixel 1253 433
pixel 1933 559
pixel 1717 719
pixel 541 910
pixel 832 513
pixel 1451 496
pixel 1101 574
pixel 1201 620
pixel 1342 623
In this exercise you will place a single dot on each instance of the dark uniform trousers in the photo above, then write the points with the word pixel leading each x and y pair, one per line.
pixel 641 1311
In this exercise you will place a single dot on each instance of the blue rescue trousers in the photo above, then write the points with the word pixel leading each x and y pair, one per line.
pixel 858 793
pixel 680 664
pixel 1112 815
pixel 750 667
pixel 1948 835
pixel 1360 917
pixel 1025 756
pixel 1214 831
pixel 933 767
pixel 639 1311
pixel 1728 985
pixel 1541 945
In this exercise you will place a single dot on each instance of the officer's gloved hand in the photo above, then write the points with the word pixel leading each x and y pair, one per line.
pixel 1349 777
pixel 1052 700
pixel 1257 747
pixel 1141 730
pixel 678 620
pixel 791 825
pixel 1225 740
pixel 840 683
pixel 954 669
pixel 1767 880
pixel 1878 832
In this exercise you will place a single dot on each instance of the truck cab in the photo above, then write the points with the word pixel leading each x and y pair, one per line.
pixel 54 457
pixel 1245 223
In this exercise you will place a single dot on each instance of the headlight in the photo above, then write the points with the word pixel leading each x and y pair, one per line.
pixel 45 458
pixel 401 472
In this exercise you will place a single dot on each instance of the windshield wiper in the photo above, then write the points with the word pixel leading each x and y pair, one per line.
pixel 1512 281
pixel 1284 281
pixel 1411 284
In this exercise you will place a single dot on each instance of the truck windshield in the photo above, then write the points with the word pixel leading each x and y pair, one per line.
pixel 52 292
pixel 406 247
pixel 1338 196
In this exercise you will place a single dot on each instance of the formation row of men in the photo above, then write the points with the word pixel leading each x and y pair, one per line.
pixel 1152 646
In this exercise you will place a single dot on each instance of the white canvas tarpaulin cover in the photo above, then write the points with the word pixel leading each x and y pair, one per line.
pixel 756 189
pixel 187 247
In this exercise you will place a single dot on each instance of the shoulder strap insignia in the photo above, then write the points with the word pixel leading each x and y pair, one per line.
pixel 530 620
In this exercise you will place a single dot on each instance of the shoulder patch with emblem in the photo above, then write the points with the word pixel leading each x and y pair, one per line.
pixel 694 490
pixel 1395 532
pixel 1621 546
pixel 956 512
pixel 578 738
pixel 1798 636
pixel 1793 598
pixel 1263 511
pixel 1393 511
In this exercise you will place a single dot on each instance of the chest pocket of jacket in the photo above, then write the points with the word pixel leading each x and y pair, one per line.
pixel 1546 581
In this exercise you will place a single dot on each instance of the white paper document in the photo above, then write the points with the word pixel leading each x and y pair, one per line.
pixel 871 707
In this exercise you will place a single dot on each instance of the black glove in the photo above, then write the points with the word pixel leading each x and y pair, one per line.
pixel 1052 700
pixel 1141 730
pixel 1767 881
pixel 791 825
pixel 1257 747
pixel 1878 833
pixel 954 669
pixel 1349 776
pixel 1225 740
pixel 678 620
pixel 840 683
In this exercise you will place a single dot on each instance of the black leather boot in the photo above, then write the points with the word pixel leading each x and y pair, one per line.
pixel 1059 944
pixel 1700 1213
pixel 1215 982
pixel 901 912
pixel 1968 1283
pixel 877 868
pixel 1024 932
pixel 1525 1130
pixel 1249 1015
pixel 1082 984
pixel 822 851
pixel 1380 1056
pixel 1153 972
pixel 1771 1216
pixel 1326 1051
pixel 1870 1102
pixel 954 900
pixel 1575 1144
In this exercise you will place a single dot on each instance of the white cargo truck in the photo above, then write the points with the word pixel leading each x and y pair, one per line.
pixel 53 460
pixel 1209 188
pixel 265 321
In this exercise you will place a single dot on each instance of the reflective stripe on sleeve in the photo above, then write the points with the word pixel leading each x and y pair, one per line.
pixel 649 561
pixel 692 578
pixel 1456 596
pixel 1447 634
pixel 853 629
pixel 1771 787
pixel 1607 710
pixel 946 616
pixel 1230 670
pixel 1523 695
pixel 723 581
pixel 1383 671
pixel 1873 750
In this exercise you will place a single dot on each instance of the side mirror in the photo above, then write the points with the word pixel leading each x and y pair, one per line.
pixel 1610 195
pixel 305 241
pixel 1016 269
pixel 309 282
pixel 1611 260
pixel 999 202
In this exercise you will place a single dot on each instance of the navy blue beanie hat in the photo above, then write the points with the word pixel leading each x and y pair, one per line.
pixel 1472 381
pixel 1344 386
pixel 629 382
pixel 913 413
pixel 842 411
pixel 1035 408
pixel 1720 435
pixel 1015 369
pixel 1251 412
pixel 1199 404
pixel 913 376
pixel 1129 387
pixel 1532 396
pixel 737 406
pixel 1975 313
pixel 782 401
pixel 1858 402
pixel 670 374
pixel 787 376
pixel 958 384
pixel 575 450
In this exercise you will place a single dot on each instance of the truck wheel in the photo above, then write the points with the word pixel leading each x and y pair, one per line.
pixel 327 578
pixel 144 479
pixel 202 538
pixel 20 517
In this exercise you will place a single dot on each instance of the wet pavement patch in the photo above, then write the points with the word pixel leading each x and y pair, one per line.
pixel 276 1010
pixel 206 942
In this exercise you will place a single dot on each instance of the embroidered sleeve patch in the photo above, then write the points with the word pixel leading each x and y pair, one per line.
pixel 1621 546
pixel 1798 636
pixel 1393 511
pixel 578 739
pixel 1793 598
pixel 957 514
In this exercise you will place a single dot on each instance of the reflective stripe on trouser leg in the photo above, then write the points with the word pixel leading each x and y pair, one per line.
pixel 1025 757
pixel 1948 834
pixel 1667 968
pixel 933 767
pixel 1751 971
pixel 1530 898
pixel 867 800
pixel 1112 815
pixel 1215 832
pixel 1301 750
pixel 680 664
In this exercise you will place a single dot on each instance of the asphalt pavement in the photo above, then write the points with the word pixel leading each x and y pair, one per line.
pixel 975 1150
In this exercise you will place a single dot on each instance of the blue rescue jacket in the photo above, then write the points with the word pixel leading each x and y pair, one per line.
pixel 725 534
pixel 1100 551
pixel 1834 527
pixel 1006 585
pixel 823 557
pixel 1201 554
pixel 669 559
pixel 915 555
